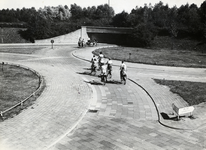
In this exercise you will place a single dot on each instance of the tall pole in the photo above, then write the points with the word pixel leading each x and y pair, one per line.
pixel 109 2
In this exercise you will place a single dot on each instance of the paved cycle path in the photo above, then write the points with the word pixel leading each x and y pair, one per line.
pixel 120 128
pixel 62 104
pixel 125 116
pixel 143 75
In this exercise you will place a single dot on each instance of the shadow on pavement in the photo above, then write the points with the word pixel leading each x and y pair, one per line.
pixel 85 73
pixel 94 82
pixel 174 118
pixel 87 68
pixel 109 81
pixel 114 82
pixel 167 117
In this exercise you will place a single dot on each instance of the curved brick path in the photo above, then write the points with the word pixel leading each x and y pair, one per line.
pixel 143 76
pixel 64 101
pixel 126 117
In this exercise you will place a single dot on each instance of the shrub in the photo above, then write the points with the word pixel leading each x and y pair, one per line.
pixel 142 35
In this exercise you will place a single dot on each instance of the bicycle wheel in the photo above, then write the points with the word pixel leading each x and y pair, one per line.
pixel 104 79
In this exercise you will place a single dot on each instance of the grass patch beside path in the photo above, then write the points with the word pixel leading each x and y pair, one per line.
pixel 192 92
pixel 20 49
pixel 16 84
pixel 179 58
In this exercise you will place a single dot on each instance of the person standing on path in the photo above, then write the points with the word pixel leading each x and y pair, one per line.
pixel 80 42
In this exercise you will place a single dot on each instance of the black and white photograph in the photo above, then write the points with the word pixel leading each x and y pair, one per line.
pixel 102 75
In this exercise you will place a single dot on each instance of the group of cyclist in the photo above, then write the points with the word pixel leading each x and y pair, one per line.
pixel 98 63
pixel 82 43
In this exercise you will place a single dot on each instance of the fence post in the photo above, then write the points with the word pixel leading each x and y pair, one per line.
pixel 52 42
pixel 21 103
pixel 2 117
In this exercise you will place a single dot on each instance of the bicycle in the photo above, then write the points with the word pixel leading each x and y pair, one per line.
pixel 103 74
pixel 123 77
pixel 109 70
pixel 103 78
pixel 93 69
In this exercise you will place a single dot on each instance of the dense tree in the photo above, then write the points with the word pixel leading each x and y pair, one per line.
pixel 172 23
pixel 147 13
pixel 185 21
pixel 160 14
pixel 142 35
pixel 104 11
pixel 55 13
pixel 136 16
pixel 120 20
pixel 203 12
pixel 203 19
pixel 76 12
pixel 89 12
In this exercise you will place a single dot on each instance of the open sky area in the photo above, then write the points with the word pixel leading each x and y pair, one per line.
pixel 118 5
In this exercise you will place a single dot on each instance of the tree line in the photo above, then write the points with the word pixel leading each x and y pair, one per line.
pixel 147 22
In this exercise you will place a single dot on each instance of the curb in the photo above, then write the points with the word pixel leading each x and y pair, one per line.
pixel 158 114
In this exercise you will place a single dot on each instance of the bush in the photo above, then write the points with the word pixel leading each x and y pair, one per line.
pixel 142 35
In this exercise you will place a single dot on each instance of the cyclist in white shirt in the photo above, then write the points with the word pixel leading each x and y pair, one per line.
pixel 123 73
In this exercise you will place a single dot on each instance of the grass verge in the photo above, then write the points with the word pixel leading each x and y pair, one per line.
pixel 192 92
pixel 178 58
pixel 17 84
pixel 21 49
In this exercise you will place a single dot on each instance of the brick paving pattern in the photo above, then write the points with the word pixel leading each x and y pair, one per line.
pixel 124 117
